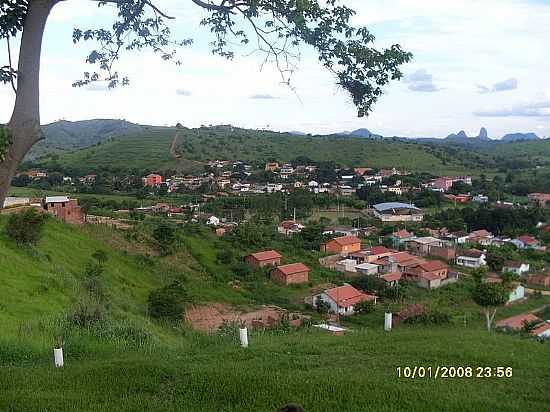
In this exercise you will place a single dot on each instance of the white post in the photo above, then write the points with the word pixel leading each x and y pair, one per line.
pixel 58 357
pixel 244 337
pixel 387 321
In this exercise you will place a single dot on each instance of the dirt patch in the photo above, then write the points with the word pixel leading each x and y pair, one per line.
pixel 212 317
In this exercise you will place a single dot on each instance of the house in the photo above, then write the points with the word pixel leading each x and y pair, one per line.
pixel 289 227
pixel 542 331
pixel 480 199
pixel 392 278
pixel 271 166
pixel 342 299
pixel 517 292
pixel 400 262
pixel 430 246
pixel 517 323
pixel 515 267
pixel 540 280
pixel 525 242
pixel 482 236
pixel 400 237
pixel 367 269
pixel 429 275
pixel 458 238
pixel 539 199
pixel 398 212
pixel 346 265
pixel 295 273
pixel 261 259
pixel 442 184
pixel 213 221
pixel 152 179
pixel 471 258
pixel 64 209
pixel 342 245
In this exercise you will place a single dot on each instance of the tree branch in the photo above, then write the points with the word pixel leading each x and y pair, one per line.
pixel 11 65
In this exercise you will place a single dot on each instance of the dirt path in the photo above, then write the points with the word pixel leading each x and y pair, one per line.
pixel 174 146
pixel 542 292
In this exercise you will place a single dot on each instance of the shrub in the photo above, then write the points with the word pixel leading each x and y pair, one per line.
pixel 364 307
pixel 165 235
pixel 25 227
pixel 168 302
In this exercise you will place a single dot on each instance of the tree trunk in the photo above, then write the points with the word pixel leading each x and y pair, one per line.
pixel 24 124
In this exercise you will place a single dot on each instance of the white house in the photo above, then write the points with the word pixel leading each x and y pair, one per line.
pixel 342 299
pixel 367 269
pixel 213 221
pixel 471 258
pixel 346 265
pixel 542 331
pixel 517 268
pixel 517 293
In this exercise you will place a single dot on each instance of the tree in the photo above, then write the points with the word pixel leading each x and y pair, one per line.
pixel 25 227
pixel 165 235
pixel 278 27
pixel 168 302
pixel 489 295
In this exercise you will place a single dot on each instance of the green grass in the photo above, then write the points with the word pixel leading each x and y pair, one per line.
pixel 150 150
pixel 129 363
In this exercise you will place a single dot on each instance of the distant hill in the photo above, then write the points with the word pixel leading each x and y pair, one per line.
pixel 364 133
pixel 462 138
pixel 64 135
pixel 516 137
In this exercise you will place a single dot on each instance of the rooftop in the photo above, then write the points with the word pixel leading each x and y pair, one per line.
pixel 383 207
pixel 293 268
pixel 266 255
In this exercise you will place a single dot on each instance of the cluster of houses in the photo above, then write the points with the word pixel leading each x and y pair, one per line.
pixel 387 264
pixel 528 322
pixel 290 274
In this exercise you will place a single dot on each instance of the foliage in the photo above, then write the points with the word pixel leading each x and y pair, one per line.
pixel 168 302
pixel 25 227
pixel 364 307
pixel 5 141
pixel 166 238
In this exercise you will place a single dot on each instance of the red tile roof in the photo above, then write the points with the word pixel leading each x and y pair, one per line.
pixel 379 250
pixel 347 295
pixel 516 322
pixel 391 277
pixel 347 240
pixel 266 255
pixel 402 234
pixel 428 276
pixel 542 328
pixel 293 268
pixel 528 240
pixel 480 233
pixel 433 265
pixel 472 253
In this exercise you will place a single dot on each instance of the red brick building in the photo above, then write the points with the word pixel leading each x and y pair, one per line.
pixel 343 244
pixel 540 280
pixel 152 180
pixel 261 259
pixel 290 274
pixel 64 209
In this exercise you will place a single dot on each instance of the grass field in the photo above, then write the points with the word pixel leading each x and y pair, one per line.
pixel 129 362
pixel 150 150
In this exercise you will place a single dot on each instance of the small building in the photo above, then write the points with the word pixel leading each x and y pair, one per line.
pixel 398 212
pixel 525 242
pixel 517 268
pixel 292 274
pixel 392 278
pixel 152 179
pixel 342 245
pixel 346 265
pixel 213 221
pixel 262 259
pixel 342 299
pixel 539 280
pixel 429 275
pixel 542 331
pixel 400 237
pixel 64 209
pixel 516 293
pixel 518 322
pixel 471 258
pixel 289 227
pixel 367 269
pixel 271 166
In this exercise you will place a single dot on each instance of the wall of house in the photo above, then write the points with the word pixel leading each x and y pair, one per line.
pixel 295 278
pixel 333 247
pixel 68 212
pixel 255 263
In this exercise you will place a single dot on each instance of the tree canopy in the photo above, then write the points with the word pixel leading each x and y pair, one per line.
pixel 277 28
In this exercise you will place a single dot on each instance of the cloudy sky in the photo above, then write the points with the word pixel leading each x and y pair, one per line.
pixel 476 63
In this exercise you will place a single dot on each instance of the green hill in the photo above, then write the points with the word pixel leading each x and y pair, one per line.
pixel 151 150
pixel 128 362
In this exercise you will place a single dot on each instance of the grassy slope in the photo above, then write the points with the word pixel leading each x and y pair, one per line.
pixel 185 371
pixel 150 150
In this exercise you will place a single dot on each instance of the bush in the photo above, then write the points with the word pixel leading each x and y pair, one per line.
pixel 364 307
pixel 168 302
pixel 25 227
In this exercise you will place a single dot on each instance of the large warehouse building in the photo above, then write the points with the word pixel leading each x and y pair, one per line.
pixel 397 212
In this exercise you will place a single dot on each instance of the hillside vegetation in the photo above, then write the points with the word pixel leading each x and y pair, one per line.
pixel 128 362
pixel 151 150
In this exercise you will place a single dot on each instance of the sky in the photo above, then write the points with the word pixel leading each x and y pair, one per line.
pixel 476 64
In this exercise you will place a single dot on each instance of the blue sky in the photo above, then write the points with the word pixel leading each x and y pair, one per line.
pixel 477 63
